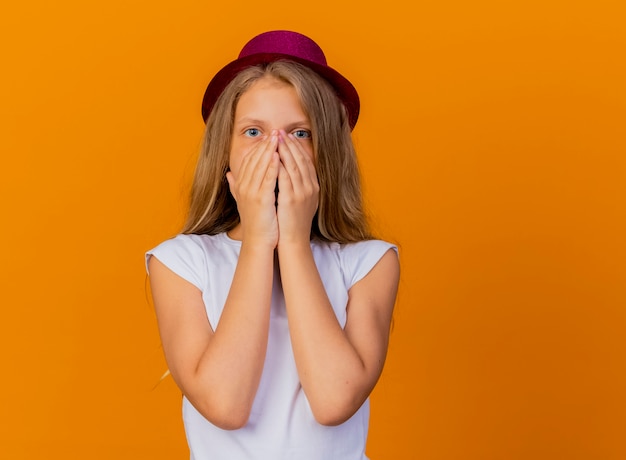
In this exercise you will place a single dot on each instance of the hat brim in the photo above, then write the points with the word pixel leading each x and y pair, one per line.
pixel 344 89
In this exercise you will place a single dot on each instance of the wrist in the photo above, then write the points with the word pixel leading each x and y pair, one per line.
pixel 255 239
pixel 258 244
pixel 294 245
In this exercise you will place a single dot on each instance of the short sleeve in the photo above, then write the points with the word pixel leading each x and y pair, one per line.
pixel 183 256
pixel 357 259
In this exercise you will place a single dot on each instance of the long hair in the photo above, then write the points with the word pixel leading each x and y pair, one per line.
pixel 340 216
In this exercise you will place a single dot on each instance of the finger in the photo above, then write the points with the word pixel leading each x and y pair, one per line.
pixel 285 187
pixel 288 158
pixel 266 170
pixel 271 175
pixel 255 164
pixel 301 157
pixel 250 159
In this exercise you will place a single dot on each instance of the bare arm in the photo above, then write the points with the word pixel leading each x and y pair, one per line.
pixel 338 368
pixel 219 371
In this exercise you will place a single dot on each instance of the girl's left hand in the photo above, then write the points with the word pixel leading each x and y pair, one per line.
pixel 298 190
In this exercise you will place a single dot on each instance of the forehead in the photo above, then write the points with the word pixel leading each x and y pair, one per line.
pixel 269 97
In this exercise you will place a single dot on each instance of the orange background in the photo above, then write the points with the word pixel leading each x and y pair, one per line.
pixel 493 147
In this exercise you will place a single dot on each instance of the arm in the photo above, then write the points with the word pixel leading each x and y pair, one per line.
pixel 338 368
pixel 204 363
pixel 219 371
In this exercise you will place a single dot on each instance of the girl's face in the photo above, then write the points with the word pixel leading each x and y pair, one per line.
pixel 268 105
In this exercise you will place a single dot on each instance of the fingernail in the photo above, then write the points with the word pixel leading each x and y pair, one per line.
pixel 274 132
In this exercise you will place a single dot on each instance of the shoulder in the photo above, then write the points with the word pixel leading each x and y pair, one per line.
pixel 367 248
pixel 190 246
pixel 186 255
pixel 356 260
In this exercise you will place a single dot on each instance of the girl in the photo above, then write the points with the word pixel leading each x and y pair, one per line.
pixel 274 303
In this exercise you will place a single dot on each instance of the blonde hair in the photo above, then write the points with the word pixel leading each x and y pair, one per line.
pixel 340 216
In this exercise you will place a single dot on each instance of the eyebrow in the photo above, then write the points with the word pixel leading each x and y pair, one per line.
pixel 248 121
pixel 254 121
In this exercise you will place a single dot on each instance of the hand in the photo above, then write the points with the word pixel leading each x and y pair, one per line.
pixel 253 190
pixel 298 190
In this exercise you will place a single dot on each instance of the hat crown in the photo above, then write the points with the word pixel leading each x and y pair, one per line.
pixel 287 43
pixel 278 45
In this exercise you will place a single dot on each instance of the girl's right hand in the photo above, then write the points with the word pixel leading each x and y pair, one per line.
pixel 253 190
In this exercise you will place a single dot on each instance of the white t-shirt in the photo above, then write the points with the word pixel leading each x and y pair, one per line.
pixel 281 424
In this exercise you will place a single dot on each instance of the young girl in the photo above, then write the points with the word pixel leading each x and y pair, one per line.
pixel 274 303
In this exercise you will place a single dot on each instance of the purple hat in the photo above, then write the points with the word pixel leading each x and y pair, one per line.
pixel 283 45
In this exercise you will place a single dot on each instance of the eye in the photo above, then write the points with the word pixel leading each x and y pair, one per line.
pixel 302 134
pixel 252 132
